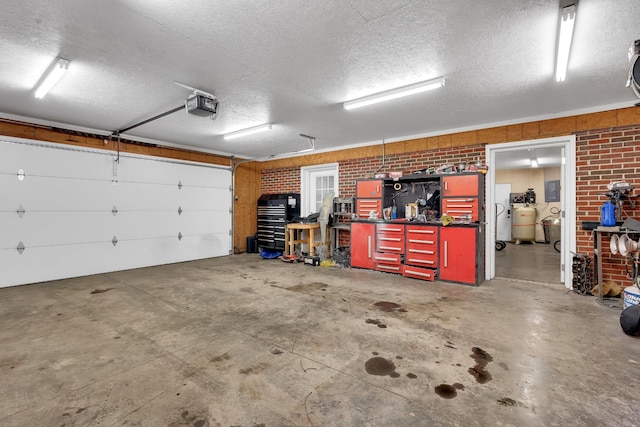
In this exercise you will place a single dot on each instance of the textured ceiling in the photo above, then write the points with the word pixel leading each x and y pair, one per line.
pixel 293 63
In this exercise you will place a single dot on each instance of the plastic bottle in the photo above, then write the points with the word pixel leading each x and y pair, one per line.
pixel 394 212
pixel 608 215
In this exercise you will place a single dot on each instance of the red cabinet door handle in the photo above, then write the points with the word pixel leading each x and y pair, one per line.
pixel 446 253
pixel 391 248
pixel 427 242
pixel 422 231
pixel 383 258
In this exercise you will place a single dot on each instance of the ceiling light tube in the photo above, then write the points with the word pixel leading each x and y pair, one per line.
pixel 567 22
pixel 395 93
pixel 249 131
pixel 53 74
pixel 306 150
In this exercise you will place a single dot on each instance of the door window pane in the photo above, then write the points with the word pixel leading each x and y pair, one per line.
pixel 324 186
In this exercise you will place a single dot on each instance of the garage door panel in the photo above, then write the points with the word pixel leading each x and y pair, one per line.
pixel 56 161
pixel 44 194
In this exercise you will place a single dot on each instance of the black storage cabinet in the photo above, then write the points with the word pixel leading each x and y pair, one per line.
pixel 274 212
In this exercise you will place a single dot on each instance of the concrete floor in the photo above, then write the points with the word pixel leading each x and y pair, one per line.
pixel 241 341
pixel 537 262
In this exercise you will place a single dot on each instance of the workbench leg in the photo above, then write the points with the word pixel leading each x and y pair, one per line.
pixel 598 261
pixel 312 241
pixel 291 238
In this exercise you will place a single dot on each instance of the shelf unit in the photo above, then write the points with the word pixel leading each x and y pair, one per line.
pixel 343 209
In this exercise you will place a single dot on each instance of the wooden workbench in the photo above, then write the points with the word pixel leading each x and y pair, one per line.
pixel 295 235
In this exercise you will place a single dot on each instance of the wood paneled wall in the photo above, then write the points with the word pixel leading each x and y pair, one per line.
pixel 247 191
pixel 44 133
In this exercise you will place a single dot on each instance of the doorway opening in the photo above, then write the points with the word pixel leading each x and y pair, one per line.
pixel 547 166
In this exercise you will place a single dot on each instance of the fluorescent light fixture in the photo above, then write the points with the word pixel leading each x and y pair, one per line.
pixel 306 150
pixel 53 74
pixel 567 22
pixel 249 131
pixel 395 93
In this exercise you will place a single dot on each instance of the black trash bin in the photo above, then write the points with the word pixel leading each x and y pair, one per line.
pixel 252 245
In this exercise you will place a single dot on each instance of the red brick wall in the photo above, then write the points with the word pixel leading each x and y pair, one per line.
pixel 602 156
pixel 354 169
pixel 277 181
pixel 285 180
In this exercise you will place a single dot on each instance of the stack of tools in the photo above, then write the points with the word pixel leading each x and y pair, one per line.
pixel 581 268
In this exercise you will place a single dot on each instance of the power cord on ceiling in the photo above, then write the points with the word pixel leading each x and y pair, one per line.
pixel 383 160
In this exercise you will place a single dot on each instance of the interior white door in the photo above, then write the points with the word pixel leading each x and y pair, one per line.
pixel 316 182
pixel 503 212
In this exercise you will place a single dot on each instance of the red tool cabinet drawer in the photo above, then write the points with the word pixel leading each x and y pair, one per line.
pixel 390 238
pixel 365 206
pixel 417 235
pixel 389 262
pixel 419 273
pixel 462 207
pixel 421 257
pixel 422 246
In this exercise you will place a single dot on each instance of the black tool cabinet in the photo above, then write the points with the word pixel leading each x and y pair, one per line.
pixel 274 211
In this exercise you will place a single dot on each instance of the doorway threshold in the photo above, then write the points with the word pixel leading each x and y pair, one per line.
pixel 533 282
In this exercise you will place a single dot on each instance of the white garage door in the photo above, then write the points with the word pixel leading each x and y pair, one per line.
pixel 68 211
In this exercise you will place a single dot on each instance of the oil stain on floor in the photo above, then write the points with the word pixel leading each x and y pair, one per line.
pixel 390 307
pixel 376 322
pixel 381 366
pixel 446 391
pixel 482 359
pixel 305 287
pixel 100 291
